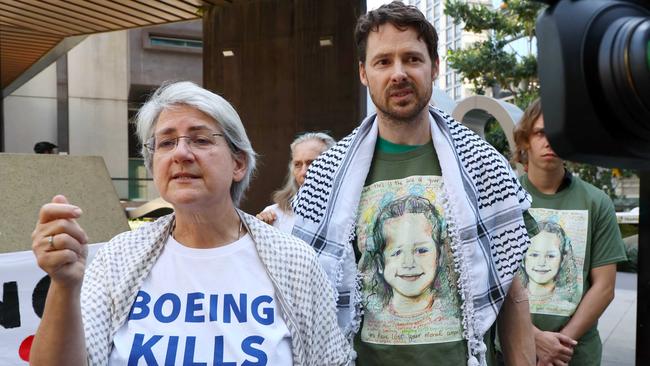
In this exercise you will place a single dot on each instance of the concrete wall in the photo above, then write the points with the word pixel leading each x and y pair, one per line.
pixel 98 90
pixel 152 65
pixel 30 180
pixel 30 113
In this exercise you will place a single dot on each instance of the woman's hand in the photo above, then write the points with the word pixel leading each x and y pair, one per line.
pixel 59 243
pixel 267 216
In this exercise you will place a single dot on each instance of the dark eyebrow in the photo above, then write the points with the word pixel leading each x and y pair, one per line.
pixel 379 55
pixel 414 53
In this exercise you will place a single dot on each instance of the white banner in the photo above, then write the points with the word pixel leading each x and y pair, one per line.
pixel 23 287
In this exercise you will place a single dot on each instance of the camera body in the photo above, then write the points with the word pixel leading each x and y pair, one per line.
pixel 594 70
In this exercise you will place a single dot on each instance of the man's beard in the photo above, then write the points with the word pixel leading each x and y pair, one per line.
pixel 395 116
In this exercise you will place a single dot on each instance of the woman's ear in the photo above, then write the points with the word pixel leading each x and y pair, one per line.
pixel 241 164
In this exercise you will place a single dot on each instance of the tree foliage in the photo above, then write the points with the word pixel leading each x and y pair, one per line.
pixel 494 63
pixel 496 137
pixel 490 63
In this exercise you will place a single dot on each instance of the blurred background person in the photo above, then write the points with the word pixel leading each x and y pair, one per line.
pixel 566 331
pixel 45 147
pixel 304 149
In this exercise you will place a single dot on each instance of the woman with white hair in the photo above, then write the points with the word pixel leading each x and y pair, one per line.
pixel 304 150
pixel 207 284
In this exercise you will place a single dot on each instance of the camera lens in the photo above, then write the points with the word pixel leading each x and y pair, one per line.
pixel 624 73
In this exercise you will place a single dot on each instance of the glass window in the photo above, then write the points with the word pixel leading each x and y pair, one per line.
pixel 175 42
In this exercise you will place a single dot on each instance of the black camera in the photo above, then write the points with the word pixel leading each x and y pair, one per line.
pixel 594 70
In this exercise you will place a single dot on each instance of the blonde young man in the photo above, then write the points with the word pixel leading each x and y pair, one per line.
pixel 579 272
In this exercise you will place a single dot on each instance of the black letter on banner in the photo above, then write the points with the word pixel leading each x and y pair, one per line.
pixel 9 310
pixel 39 295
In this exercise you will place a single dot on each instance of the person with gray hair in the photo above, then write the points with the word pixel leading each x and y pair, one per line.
pixel 304 149
pixel 205 284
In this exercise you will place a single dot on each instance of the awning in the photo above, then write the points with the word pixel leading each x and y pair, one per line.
pixel 33 32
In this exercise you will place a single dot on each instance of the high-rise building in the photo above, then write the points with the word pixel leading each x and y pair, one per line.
pixel 451 36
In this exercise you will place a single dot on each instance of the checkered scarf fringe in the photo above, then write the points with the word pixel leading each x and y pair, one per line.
pixel 483 200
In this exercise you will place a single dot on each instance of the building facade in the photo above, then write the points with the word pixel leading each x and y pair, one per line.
pixel 451 36
pixel 97 87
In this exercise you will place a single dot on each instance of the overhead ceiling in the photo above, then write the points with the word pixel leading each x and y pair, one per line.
pixel 30 29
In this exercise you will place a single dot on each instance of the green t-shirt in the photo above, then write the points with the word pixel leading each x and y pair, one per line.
pixel 577 232
pixel 411 303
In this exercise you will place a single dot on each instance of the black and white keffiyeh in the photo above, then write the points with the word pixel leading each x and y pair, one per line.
pixel 484 204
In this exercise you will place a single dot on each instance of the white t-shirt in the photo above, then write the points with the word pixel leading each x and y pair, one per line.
pixel 204 307
pixel 284 221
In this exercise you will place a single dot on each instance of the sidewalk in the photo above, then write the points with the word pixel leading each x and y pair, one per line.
pixel 617 325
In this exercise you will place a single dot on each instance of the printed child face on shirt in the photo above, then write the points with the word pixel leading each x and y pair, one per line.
pixel 410 256
pixel 406 231
pixel 408 283
pixel 543 259
pixel 552 267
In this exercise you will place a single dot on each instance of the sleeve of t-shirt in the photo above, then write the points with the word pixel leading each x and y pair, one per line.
pixel 531 224
pixel 607 245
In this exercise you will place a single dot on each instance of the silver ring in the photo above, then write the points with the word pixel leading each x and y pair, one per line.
pixel 50 241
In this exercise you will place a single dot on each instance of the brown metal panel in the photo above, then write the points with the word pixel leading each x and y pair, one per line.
pixel 150 19
pixel 26 14
pixel 30 28
pixel 191 9
pixel 219 2
pixel 31 25
pixel 8 30
pixel 177 12
pixel 17 55
pixel 41 13
pixel 195 3
pixel 78 13
pixel 280 80
pixel 8 41
pixel 119 22
pixel 150 10
pixel 110 12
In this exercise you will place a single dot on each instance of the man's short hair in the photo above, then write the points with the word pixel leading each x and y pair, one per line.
pixel 523 130
pixel 402 17
pixel 44 147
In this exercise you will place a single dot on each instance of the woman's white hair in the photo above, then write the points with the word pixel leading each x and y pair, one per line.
pixel 192 95
pixel 284 195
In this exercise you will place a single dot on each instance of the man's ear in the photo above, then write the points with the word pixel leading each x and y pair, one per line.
pixel 362 73
pixel 435 68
